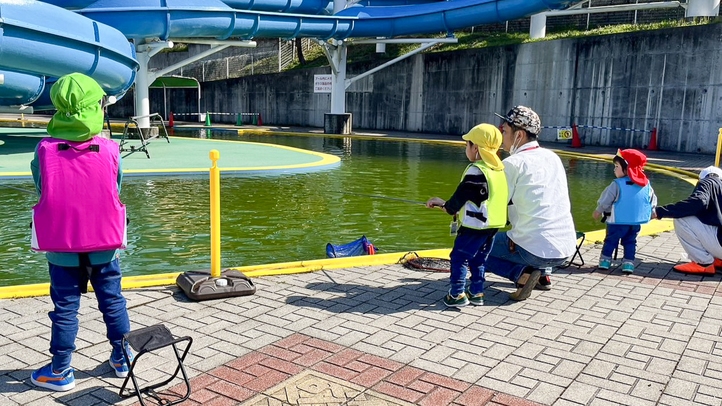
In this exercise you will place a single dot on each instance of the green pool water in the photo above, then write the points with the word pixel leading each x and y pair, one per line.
pixel 289 217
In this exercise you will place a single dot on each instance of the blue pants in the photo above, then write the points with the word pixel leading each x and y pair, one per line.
pixel 469 255
pixel 65 293
pixel 510 263
pixel 625 233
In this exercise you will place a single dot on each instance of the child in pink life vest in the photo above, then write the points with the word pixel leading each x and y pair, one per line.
pixel 80 223
pixel 628 201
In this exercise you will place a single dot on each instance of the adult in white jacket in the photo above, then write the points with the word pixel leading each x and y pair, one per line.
pixel 542 230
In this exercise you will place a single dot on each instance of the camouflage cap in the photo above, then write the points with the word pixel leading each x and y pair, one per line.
pixel 524 118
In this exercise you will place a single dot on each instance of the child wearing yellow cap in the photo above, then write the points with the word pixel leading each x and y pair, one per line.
pixel 479 208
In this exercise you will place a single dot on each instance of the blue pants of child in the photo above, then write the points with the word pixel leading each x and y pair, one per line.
pixel 469 255
pixel 509 261
pixel 625 233
pixel 65 292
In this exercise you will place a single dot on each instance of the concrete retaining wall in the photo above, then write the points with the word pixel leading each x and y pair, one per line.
pixel 669 79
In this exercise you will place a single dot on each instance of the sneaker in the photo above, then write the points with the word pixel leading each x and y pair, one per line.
pixel 46 378
pixel 458 301
pixel 693 268
pixel 117 362
pixel 545 283
pixel 604 264
pixel 717 263
pixel 477 299
pixel 628 267
pixel 527 281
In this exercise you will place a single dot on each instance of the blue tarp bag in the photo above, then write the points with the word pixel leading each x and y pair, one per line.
pixel 362 246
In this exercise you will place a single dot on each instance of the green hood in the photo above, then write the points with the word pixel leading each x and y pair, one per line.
pixel 80 116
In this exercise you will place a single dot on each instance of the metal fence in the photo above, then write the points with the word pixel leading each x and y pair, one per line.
pixel 590 21
pixel 270 56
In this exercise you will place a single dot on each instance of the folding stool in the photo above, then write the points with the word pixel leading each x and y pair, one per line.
pixel 580 240
pixel 148 339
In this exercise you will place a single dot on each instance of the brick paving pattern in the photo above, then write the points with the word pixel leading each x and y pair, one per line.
pixel 303 370
pixel 380 334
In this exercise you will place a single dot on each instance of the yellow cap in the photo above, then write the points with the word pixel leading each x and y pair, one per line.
pixel 487 138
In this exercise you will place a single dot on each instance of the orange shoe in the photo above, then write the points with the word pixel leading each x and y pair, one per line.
pixel 693 268
pixel 717 263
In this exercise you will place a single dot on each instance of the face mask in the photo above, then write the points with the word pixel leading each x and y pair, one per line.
pixel 514 145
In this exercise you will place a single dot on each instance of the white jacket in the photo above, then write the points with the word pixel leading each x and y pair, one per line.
pixel 540 211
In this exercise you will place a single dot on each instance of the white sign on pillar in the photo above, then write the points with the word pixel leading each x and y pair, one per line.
pixel 322 83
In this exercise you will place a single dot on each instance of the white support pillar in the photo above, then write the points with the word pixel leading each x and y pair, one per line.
pixel 144 78
pixel 142 82
pixel 702 8
pixel 338 87
pixel 381 46
pixel 337 121
pixel 538 27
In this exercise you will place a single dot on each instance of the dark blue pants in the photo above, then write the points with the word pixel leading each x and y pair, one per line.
pixel 65 293
pixel 469 255
pixel 510 264
pixel 625 233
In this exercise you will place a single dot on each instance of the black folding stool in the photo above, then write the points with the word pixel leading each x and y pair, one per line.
pixel 580 240
pixel 149 339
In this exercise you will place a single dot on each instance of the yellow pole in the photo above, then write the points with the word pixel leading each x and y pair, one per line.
pixel 719 146
pixel 215 215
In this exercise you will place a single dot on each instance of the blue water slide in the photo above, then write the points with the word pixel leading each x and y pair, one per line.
pixel 168 19
pixel 19 88
pixel 281 6
pixel 38 40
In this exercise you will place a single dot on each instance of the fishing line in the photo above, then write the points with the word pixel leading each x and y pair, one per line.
pixel 380 197
pixel 32 192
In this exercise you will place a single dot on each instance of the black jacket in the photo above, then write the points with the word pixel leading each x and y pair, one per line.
pixel 704 203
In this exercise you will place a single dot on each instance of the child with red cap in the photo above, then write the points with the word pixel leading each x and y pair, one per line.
pixel 627 203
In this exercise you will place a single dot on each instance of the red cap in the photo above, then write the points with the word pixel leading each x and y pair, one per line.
pixel 635 164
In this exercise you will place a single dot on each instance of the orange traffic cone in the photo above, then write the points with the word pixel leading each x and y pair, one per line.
pixel 171 123
pixel 260 120
pixel 653 141
pixel 576 141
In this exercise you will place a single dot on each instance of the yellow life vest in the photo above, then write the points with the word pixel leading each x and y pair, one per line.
pixel 492 212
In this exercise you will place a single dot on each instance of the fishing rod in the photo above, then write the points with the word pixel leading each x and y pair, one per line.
pixel 381 197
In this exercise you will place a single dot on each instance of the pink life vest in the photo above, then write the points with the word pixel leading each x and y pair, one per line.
pixel 79 209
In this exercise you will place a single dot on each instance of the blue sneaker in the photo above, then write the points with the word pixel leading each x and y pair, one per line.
pixel 117 362
pixel 46 378
pixel 604 264
pixel 627 267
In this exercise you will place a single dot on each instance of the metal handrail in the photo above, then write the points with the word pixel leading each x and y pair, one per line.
pixel 156 120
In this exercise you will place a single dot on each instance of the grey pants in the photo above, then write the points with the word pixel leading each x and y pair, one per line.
pixel 699 240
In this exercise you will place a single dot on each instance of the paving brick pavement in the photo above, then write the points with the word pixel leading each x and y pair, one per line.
pixel 380 335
